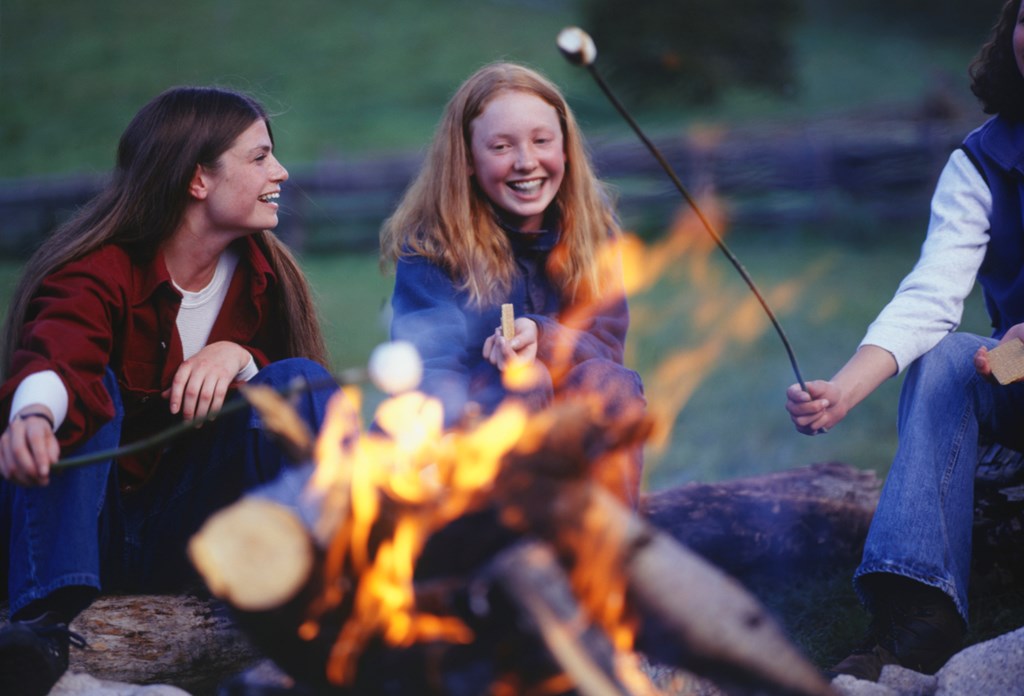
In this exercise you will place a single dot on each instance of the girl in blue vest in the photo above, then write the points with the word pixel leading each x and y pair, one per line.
pixel 507 210
pixel 914 573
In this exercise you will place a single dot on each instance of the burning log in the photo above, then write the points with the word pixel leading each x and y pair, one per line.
pixel 709 621
pixel 559 545
pixel 531 575
pixel 256 556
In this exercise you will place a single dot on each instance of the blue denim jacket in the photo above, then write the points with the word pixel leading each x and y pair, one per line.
pixel 449 331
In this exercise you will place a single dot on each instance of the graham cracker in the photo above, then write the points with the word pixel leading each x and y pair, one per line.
pixel 1007 361
pixel 508 330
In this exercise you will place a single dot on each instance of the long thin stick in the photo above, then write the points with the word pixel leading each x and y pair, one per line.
pixel 584 54
pixel 236 404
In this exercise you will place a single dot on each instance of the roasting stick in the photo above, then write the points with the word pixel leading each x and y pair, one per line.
pixel 579 49
pixel 350 376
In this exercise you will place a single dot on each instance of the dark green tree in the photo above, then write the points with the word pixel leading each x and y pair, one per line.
pixel 969 19
pixel 667 51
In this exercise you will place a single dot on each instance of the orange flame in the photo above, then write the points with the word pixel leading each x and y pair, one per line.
pixel 383 494
pixel 411 478
pixel 724 318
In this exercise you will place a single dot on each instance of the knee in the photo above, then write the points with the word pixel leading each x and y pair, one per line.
pixel 309 381
pixel 284 371
pixel 951 358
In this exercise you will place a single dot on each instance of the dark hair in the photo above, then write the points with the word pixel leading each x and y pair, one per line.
pixel 995 78
pixel 145 199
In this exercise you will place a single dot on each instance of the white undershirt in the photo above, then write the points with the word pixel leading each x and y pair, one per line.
pixel 195 320
pixel 199 310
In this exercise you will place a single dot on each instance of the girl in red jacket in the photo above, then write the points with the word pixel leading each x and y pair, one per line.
pixel 144 309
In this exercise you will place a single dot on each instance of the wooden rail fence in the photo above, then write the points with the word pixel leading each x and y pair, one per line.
pixel 769 177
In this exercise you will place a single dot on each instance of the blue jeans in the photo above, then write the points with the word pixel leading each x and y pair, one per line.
pixel 922 526
pixel 83 533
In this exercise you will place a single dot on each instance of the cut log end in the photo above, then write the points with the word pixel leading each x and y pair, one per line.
pixel 255 554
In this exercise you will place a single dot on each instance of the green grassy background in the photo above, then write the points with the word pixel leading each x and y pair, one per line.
pixel 353 79
pixel 348 79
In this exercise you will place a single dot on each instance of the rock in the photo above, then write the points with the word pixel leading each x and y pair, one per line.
pixel 845 685
pixel 993 667
pixel 986 669
pixel 77 684
pixel 907 682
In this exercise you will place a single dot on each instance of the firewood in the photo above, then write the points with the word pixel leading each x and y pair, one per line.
pixel 529 572
pixel 255 554
pixel 183 640
pixel 280 420
pixel 797 521
pixel 548 487
pixel 725 631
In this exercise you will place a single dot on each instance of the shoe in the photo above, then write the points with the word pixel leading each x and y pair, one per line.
pixel 915 626
pixel 34 654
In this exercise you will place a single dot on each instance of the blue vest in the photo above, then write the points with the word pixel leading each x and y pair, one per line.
pixel 997 150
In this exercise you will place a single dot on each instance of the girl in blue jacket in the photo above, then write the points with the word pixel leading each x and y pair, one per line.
pixel 507 210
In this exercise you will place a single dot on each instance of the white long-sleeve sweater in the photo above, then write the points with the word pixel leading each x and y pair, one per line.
pixel 929 302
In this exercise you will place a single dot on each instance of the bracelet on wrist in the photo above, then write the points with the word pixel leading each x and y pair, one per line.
pixel 37 414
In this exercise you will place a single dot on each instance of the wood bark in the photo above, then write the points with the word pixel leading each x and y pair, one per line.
pixel 182 640
pixel 795 521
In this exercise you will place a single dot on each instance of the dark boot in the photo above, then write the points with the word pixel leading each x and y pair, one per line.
pixel 34 654
pixel 914 626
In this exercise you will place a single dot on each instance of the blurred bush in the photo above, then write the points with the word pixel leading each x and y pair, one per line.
pixel 942 17
pixel 689 51
pixel 678 52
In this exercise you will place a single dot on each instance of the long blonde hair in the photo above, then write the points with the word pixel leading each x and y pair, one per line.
pixel 446 218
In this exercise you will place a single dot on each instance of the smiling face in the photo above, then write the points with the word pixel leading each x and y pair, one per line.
pixel 518 156
pixel 241 193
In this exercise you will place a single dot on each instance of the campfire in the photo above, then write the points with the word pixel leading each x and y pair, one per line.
pixel 492 558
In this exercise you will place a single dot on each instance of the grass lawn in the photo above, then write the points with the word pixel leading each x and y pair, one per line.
pixel 364 77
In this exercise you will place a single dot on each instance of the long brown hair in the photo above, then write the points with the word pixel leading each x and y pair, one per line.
pixel 446 218
pixel 145 198
pixel 995 78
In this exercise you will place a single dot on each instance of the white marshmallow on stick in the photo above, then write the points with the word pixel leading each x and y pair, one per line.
pixel 577 46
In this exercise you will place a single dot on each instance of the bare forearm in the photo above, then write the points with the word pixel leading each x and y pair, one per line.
pixel 864 372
